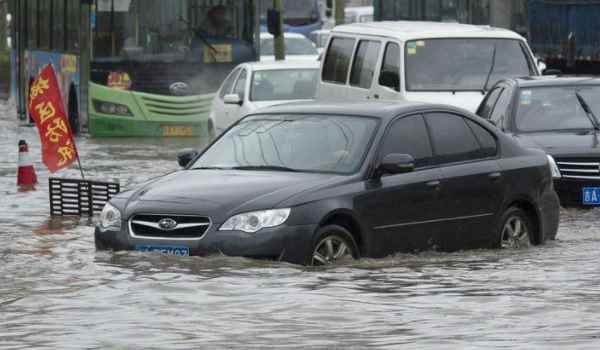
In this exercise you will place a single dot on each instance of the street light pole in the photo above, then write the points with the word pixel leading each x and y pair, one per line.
pixel 279 41
pixel 340 12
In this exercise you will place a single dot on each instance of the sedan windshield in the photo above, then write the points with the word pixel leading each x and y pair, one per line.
pixel 556 108
pixel 293 46
pixel 284 84
pixel 306 143
pixel 463 64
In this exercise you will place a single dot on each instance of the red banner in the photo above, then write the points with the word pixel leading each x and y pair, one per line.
pixel 48 111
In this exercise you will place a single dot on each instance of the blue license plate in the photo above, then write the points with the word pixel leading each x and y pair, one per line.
pixel 591 196
pixel 168 250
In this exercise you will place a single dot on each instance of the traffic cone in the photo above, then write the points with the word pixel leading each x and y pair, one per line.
pixel 26 177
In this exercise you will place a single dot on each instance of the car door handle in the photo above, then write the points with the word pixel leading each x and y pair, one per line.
pixel 434 184
pixel 495 176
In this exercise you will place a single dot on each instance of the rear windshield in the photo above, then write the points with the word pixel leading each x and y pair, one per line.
pixel 463 64
pixel 284 84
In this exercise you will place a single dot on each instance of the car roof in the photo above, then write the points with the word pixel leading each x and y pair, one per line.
pixel 285 64
pixel 414 30
pixel 288 35
pixel 382 109
pixel 526 82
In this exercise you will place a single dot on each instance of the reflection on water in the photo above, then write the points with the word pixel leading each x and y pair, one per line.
pixel 57 292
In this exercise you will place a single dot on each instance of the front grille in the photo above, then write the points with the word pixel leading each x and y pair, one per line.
pixel 187 227
pixel 181 107
pixel 578 168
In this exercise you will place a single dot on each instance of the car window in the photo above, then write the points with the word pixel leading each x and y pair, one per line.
pixel 240 85
pixel 390 68
pixel 488 104
pixel 487 142
pixel 284 84
pixel 453 141
pixel 501 110
pixel 365 61
pixel 228 84
pixel 337 60
pixel 409 136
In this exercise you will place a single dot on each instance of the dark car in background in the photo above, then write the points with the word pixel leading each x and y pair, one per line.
pixel 559 116
pixel 318 183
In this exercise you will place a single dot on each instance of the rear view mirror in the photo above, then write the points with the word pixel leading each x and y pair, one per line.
pixel 274 22
pixel 396 164
pixel 185 157
pixel 233 99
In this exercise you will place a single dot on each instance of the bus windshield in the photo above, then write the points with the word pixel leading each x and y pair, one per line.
pixel 158 43
pixel 463 64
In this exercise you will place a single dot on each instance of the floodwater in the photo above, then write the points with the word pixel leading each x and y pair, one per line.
pixel 57 292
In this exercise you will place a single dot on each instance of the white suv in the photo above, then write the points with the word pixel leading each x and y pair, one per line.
pixel 446 63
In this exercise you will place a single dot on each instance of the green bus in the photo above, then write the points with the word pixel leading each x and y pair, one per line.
pixel 133 67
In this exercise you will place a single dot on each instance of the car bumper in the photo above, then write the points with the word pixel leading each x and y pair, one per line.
pixel 570 191
pixel 287 243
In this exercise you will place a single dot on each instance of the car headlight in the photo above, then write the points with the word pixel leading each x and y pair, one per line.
pixel 112 108
pixel 255 221
pixel 553 168
pixel 110 217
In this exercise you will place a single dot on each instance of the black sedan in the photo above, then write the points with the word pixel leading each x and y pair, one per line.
pixel 318 183
pixel 559 116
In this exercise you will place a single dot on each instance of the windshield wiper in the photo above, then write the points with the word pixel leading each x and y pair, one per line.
pixel 588 111
pixel 265 167
pixel 489 76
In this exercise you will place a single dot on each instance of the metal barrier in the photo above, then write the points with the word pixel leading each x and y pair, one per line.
pixel 76 197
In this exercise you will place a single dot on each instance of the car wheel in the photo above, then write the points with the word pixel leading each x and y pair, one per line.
pixel 516 229
pixel 333 244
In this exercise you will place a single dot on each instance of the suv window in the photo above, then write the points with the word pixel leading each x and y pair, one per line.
pixel 488 104
pixel 489 146
pixel 337 60
pixel 390 68
pixel 453 141
pixel 240 85
pixel 365 61
pixel 409 136
pixel 501 109
pixel 228 84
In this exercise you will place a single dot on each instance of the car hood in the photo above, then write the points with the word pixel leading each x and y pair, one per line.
pixel 468 100
pixel 220 193
pixel 563 143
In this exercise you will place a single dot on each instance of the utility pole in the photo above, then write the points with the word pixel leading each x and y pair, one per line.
pixel 279 39
pixel 340 12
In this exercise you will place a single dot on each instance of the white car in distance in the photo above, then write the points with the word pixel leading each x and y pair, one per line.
pixel 255 85
pixel 297 47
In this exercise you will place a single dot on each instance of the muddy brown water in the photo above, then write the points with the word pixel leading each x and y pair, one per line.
pixel 57 292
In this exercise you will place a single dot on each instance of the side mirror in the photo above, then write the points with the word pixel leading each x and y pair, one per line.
pixel 185 157
pixel 541 65
pixel 233 99
pixel 396 164
pixel 274 22
pixel 552 72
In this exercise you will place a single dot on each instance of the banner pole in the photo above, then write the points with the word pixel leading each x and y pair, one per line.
pixel 80 168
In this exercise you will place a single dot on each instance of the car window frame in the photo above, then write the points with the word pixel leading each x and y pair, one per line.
pixel 353 61
pixel 507 121
pixel 237 81
pixel 379 151
pixel 486 129
pixel 332 38
pixel 233 75
pixel 400 63
pixel 486 98
pixel 467 161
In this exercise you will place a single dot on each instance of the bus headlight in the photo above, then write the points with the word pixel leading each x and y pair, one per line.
pixel 112 108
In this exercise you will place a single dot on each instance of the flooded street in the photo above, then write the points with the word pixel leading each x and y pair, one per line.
pixel 56 292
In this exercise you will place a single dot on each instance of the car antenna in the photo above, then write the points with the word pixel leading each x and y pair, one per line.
pixel 489 76
pixel 588 111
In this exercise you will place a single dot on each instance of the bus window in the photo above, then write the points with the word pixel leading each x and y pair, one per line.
pixel 32 22
pixel 58 25
pixel 44 24
pixel 72 19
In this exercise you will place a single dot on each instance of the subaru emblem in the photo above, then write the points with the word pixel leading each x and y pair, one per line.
pixel 179 89
pixel 167 224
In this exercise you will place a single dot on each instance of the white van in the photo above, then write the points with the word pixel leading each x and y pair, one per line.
pixel 446 63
